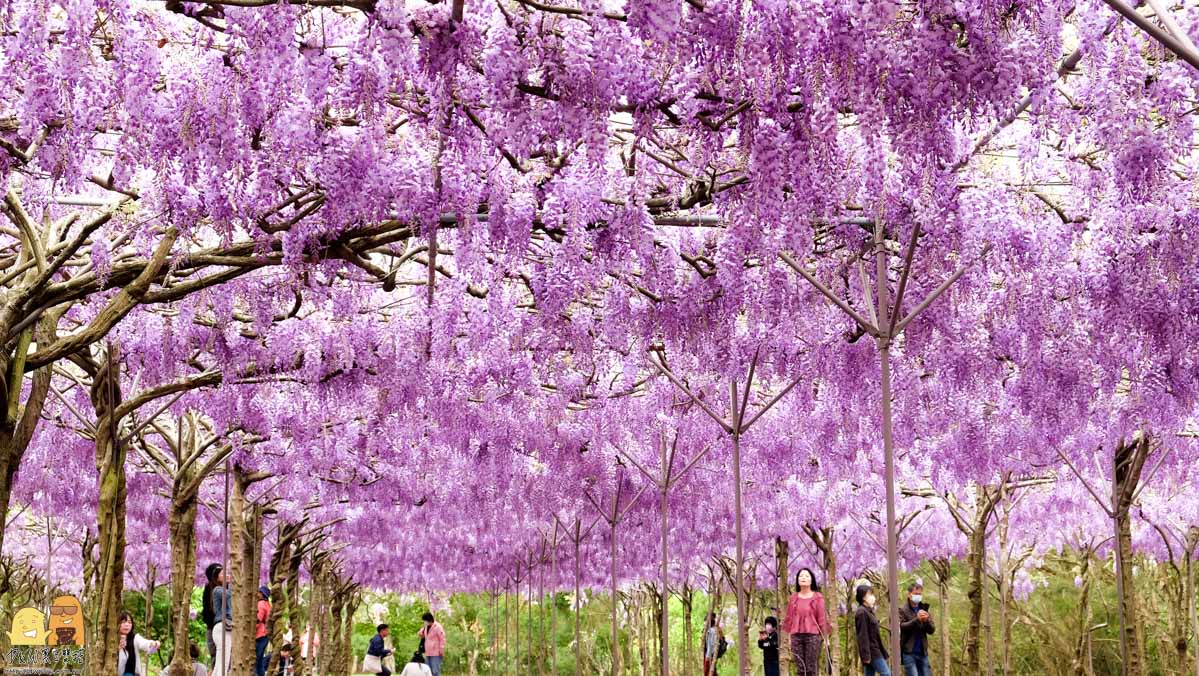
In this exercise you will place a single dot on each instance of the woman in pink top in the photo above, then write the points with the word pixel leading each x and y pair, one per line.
pixel 433 640
pixel 807 622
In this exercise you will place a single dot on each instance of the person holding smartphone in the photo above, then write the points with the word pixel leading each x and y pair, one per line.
pixel 915 626
pixel 768 641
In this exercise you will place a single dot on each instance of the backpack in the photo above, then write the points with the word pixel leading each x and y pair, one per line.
pixel 722 647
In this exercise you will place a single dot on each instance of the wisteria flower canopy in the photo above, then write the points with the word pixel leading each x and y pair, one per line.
pixel 492 266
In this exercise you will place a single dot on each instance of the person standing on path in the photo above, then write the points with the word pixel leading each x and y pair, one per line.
pixel 207 614
pixel 870 642
pixel 378 650
pixel 260 637
pixel 768 641
pixel 432 637
pixel 222 631
pixel 711 645
pixel 807 622
pixel 915 626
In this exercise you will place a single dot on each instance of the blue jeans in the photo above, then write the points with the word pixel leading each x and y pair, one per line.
pixel 434 664
pixel 916 665
pixel 877 668
pixel 260 656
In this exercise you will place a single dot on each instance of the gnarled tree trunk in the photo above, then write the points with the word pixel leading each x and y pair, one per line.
pixel 1129 460
pixel 245 544
pixel 976 560
pixel 688 598
pixel 298 613
pixel 18 422
pixel 110 522
pixel 782 560
pixel 1188 570
pixel 281 607
pixel 1081 662
pixel 338 660
pixel 182 525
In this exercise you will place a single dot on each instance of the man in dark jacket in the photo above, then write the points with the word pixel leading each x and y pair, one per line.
pixel 915 626
pixel 378 650
pixel 207 614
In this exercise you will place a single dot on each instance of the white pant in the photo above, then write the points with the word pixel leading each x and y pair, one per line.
pixel 223 640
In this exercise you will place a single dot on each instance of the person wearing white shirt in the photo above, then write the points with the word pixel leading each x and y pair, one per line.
pixel 416 667
pixel 132 649
pixel 222 631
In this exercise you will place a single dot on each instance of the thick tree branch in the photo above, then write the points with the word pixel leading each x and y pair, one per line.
pixel 16 212
pixel 208 378
pixel 116 310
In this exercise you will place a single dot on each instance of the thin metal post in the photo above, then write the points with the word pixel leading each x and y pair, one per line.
pixel 665 487
pixel 615 632
pixel 516 598
pixel 220 626
pixel 541 613
pixel 892 537
pixel 506 631
pixel 532 649
pixel 885 313
pixel 742 632
pixel 554 605
pixel 578 538
pixel 1190 594
pixel 1120 601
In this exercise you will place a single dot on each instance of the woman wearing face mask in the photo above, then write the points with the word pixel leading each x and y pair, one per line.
pixel 870 642
pixel 807 622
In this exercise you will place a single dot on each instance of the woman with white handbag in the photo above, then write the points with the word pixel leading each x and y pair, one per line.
pixel 372 663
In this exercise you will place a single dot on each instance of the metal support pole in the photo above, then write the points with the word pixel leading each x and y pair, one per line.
pixel 554 604
pixel 577 540
pixel 615 632
pixel 883 341
pixel 665 637
pixel 516 598
pixel 892 537
pixel 1116 510
pixel 506 631
pixel 541 616
pixel 742 631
